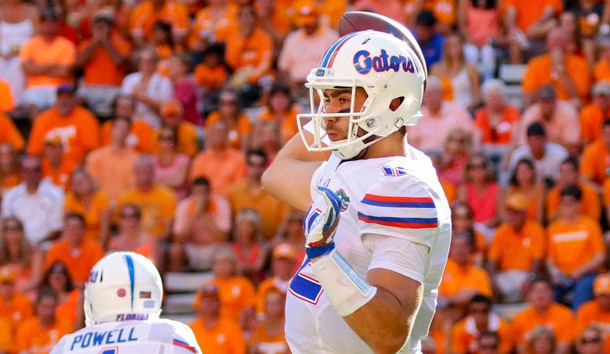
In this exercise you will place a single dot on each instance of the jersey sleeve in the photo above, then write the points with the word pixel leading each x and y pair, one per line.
pixel 403 207
pixel 184 338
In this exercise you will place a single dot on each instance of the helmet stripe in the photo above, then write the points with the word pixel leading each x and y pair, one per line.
pixel 330 55
pixel 131 272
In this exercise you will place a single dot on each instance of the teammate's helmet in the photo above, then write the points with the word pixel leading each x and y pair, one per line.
pixel 123 286
pixel 386 68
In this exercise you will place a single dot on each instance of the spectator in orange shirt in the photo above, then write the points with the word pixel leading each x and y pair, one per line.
pixel 593 114
pixel 597 311
pixel 525 181
pixel 38 334
pixel 69 303
pixel 47 61
pixel 480 319
pixel 276 19
pixel 103 59
pixel 23 258
pixel 75 126
pixel 131 237
pixel 229 110
pixel 112 165
pixel 212 73
pixel 249 53
pixel 528 24
pixel 568 73
pixel 55 168
pixel 217 333
pixel 202 224
pixel 147 12
pixel 542 340
pixel 496 121
pixel 595 160
pixel 294 64
pixel 237 294
pixel 172 115
pixel 10 168
pixel 248 193
pixel 267 334
pixel 77 253
pixel 283 263
pixel 517 250
pixel 171 166
pixel 568 174
pixel 591 341
pixel 488 342
pixel 212 24
pixel 576 250
pixel 157 202
pixel 221 164
pixel 543 311
pixel 14 305
pixel 392 9
pixel 601 69
pixel 140 134
pixel 93 205
pixel 280 107
pixel 462 220
pixel 9 132
pixel 462 279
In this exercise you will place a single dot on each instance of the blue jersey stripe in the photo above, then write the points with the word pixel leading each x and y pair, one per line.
pixel 398 204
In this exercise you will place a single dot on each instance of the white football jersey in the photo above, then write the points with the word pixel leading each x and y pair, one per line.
pixel 399 197
pixel 135 337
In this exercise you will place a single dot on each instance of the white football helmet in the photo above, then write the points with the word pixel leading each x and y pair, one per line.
pixel 123 286
pixel 386 68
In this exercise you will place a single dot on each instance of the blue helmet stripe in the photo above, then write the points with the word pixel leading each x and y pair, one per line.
pixel 132 276
pixel 330 51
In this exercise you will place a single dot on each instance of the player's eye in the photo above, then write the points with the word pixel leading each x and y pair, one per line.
pixel 343 101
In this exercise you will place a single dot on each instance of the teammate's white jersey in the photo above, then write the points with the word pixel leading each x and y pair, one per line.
pixel 134 337
pixel 399 197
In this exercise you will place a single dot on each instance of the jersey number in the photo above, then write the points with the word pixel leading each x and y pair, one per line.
pixel 305 287
pixel 113 350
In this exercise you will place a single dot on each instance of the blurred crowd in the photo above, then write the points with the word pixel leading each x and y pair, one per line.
pixel 145 125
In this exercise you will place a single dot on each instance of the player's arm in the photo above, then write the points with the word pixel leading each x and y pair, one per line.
pixel 290 173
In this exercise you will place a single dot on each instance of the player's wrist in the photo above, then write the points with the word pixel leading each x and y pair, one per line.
pixel 319 250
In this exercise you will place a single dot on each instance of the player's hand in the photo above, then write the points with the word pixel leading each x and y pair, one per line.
pixel 320 235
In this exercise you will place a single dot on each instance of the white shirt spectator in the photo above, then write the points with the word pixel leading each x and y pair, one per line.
pixel 547 167
pixel 159 88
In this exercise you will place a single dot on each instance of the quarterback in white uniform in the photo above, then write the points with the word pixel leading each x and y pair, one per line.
pixel 122 306
pixel 378 223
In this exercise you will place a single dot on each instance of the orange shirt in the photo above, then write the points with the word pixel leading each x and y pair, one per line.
pixel 79 132
pixel 503 132
pixel 514 250
pixel 464 335
pixel 211 78
pixel 10 133
pixel 59 177
pixel 271 210
pixel 140 135
pixel 222 170
pixel 187 139
pixel 331 12
pixel 572 245
pixel 99 203
pixel 601 70
pixel 457 278
pixel 606 187
pixel 263 288
pixel 68 310
pixel 17 309
pixel 144 15
pixel 595 161
pixel 529 12
pixel 236 294
pixel 35 339
pixel 6 335
pixel 255 51
pixel 112 170
pixel 208 23
pixel 591 119
pixel 100 69
pixel 59 51
pixel 226 337
pixel 539 73
pixel 589 206
pixel 7 103
pixel 558 317
pixel 78 262
pixel 236 131
pixel 266 343
pixel 288 127
pixel 592 313
pixel 156 206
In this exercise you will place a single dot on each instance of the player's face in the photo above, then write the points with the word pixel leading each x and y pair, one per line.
pixel 340 101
